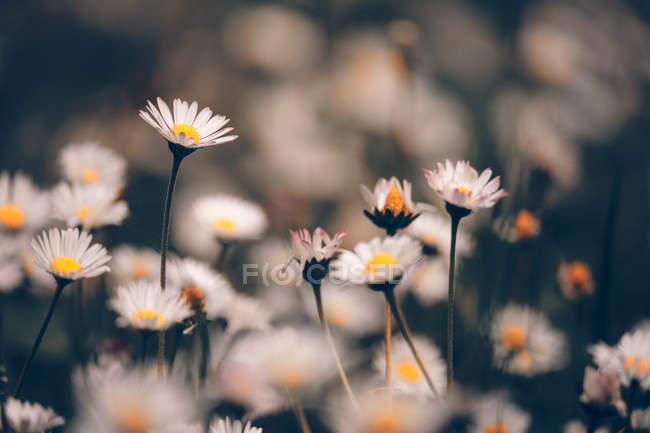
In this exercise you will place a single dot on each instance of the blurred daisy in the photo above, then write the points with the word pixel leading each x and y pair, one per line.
pixel 25 417
pixel 89 206
pixel 640 419
pixel 180 427
pixel 462 186
pixel 524 226
pixel 130 263
pixel 391 205
pixel 230 218
pixel 303 372
pixel 91 163
pixel 575 279
pixel 434 231
pixel 404 369
pixel 186 127
pixel 143 305
pixel 316 250
pixel 602 391
pixel 378 262
pixel 354 312
pixel 11 267
pixel 68 255
pixel 629 359
pixel 428 281
pixel 227 426
pixel 202 289
pixel 22 204
pixel 525 343
pixel 246 313
pixel 576 426
pixel 494 414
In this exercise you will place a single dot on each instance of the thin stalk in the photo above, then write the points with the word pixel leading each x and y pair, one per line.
pixel 205 347
pixel 144 339
pixel 328 334
pixel 176 341
pixel 406 333
pixel 221 261
pixel 450 305
pixel 300 414
pixel 387 341
pixel 60 284
pixel 176 162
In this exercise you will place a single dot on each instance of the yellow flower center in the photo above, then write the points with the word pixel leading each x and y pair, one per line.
pixel 83 212
pixel 409 371
pixel 526 225
pixel 386 423
pixel 66 265
pixel 379 264
pixel 293 379
pixel 139 269
pixel 11 216
pixel 224 225
pixel 497 427
pixel 466 191
pixel 580 275
pixel 195 298
pixel 513 337
pixel 149 315
pixel 339 318
pixel 89 175
pixel 188 130
pixel 395 203
pixel 132 420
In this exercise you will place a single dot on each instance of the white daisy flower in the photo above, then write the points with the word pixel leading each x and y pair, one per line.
pixel 354 312
pixel 629 359
pixel 640 419
pixel 575 279
pixel 22 204
pixel 88 205
pixel 11 266
pixel 245 312
pixel 131 263
pixel 602 390
pixel 229 218
pixel 380 413
pixel 68 255
pixel 203 289
pixel 391 205
pixel 186 127
pixel 462 186
pixel 25 417
pixel 143 305
pixel 434 231
pixel 91 163
pixel 287 358
pixel 494 414
pixel 405 371
pixel 227 426
pixel 378 262
pixel 317 249
pixel 525 343
pixel 123 400
pixel 429 281
pixel 575 426
pixel 40 281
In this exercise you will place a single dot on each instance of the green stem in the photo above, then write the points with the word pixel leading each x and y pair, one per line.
pixel 455 220
pixel 406 333
pixel 60 284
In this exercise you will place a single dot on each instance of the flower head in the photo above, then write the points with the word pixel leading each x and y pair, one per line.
pixel 434 231
pixel 227 426
pixel 89 206
pixel 68 255
pixel 143 305
pixel 23 206
pixel 462 186
pixel 575 279
pixel 131 263
pixel 245 312
pixel 494 414
pixel 91 163
pixel 314 253
pixel 629 359
pixel 186 127
pixel 229 218
pixel 392 207
pixel 25 417
pixel 602 390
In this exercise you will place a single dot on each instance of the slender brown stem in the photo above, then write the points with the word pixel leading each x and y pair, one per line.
pixel 387 340
pixel 451 303
pixel 406 333
pixel 302 419
pixel 328 335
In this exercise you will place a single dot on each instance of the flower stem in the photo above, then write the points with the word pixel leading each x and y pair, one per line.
pixel 144 339
pixel 300 414
pixel 328 334
pixel 406 333
pixel 60 284
pixel 221 261
pixel 455 220
pixel 387 341
pixel 205 347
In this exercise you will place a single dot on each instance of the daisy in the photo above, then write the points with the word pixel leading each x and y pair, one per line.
pixel 602 391
pixel 23 206
pixel 494 414
pixel 461 186
pixel 143 305
pixel 377 263
pixel 525 343
pixel 91 163
pixel 314 253
pixel 186 127
pixel 11 272
pixel 89 206
pixel 391 205
pixel 287 359
pixel 629 359
pixel 227 426
pixel 25 417
pixel 575 279
pixel 404 368
pixel 246 313
pixel 524 226
pixel 229 218
pixel 428 281
pixel 130 263
pixel 68 255
pixel 434 232
pixel 640 419
pixel 202 289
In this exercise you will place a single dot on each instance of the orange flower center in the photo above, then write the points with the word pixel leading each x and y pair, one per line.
pixel 409 371
pixel 65 265
pixel 132 420
pixel 293 379
pixel 513 337
pixel 395 203
pixel 149 315
pixel 11 216
pixel 642 365
pixel 139 269
pixel 497 427
pixel 195 298
pixel 526 225
pixel 386 423
pixel 188 130
pixel 580 275
pixel 89 175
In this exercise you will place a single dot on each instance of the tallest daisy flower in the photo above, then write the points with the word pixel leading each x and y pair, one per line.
pixel 185 132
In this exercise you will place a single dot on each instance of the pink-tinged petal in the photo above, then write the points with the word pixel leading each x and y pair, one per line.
pixel 492 186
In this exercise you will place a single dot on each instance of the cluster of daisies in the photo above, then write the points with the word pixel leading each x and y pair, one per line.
pixel 226 357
